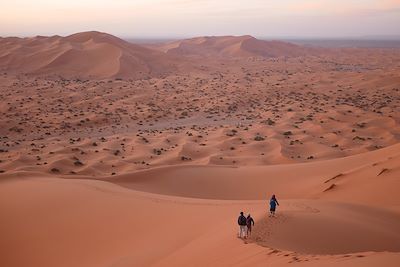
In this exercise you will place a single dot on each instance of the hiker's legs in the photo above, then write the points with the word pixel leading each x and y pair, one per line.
pixel 248 231
pixel 242 231
pixel 272 210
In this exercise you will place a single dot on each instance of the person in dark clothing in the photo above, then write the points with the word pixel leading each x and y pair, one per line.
pixel 249 223
pixel 272 205
pixel 242 225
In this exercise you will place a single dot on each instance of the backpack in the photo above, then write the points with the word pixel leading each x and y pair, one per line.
pixel 242 220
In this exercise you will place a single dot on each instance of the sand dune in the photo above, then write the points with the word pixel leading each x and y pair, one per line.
pixel 112 223
pixel 350 174
pixel 232 46
pixel 82 55
pixel 336 224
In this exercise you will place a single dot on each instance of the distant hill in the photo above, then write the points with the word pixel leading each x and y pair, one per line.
pixel 348 43
pixel 86 54
pixel 101 55
pixel 231 46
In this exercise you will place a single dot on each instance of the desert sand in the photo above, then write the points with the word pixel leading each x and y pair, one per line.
pixel 118 154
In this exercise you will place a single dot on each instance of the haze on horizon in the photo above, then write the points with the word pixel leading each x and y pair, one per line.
pixel 185 18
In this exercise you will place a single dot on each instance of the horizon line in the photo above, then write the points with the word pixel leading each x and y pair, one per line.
pixel 370 37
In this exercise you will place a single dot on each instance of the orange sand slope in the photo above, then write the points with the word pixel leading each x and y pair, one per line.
pixel 344 175
pixel 343 212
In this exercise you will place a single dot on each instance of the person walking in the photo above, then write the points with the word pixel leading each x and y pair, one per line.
pixel 242 225
pixel 272 205
pixel 249 224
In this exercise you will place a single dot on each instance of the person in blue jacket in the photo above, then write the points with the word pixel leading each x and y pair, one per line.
pixel 272 205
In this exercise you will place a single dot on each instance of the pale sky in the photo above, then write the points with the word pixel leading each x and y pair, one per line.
pixel 186 18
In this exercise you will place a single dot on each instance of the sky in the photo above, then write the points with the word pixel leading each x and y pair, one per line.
pixel 188 18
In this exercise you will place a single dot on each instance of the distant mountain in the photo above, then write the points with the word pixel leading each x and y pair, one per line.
pixel 231 46
pixel 101 55
pixel 86 54
pixel 347 43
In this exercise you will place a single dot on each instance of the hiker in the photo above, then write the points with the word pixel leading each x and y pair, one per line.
pixel 242 225
pixel 272 204
pixel 249 222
